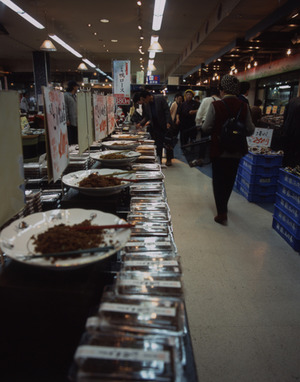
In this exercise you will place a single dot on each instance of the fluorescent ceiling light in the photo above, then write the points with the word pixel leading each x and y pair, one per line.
pixel 284 87
pixel 100 71
pixel 159 7
pixel 149 73
pixel 152 54
pixel 65 45
pixel 89 63
pixel 22 13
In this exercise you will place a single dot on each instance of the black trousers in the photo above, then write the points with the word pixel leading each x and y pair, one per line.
pixel 72 135
pixel 223 173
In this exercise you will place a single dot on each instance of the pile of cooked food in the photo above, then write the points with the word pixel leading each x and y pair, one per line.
pixel 64 238
pixel 113 156
pixel 94 180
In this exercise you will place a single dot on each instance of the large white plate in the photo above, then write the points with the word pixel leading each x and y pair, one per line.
pixel 73 179
pixel 120 145
pixel 131 156
pixel 126 137
pixel 16 242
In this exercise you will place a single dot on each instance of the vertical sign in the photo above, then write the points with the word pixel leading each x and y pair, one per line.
pixel 140 77
pixel 57 135
pixel 84 119
pixel 110 113
pixel 12 193
pixel 121 72
pixel 100 116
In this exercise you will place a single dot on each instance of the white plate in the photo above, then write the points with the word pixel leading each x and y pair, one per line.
pixel 131 156
pixel 120 145
pixel 15 242
pixel 125 137
pixel 73 179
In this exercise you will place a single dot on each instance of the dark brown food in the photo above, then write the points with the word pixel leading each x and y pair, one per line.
pixel 113 156
pixel 63 238
pixel 95 180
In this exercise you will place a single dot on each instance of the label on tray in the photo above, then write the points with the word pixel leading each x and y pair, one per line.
pixel 137 309
pixel 140 283
pixel 121 354
pixel 142 263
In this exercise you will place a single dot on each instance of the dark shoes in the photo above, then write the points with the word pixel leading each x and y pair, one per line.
pixel 196 162
pixel 221 219
pixel 169 163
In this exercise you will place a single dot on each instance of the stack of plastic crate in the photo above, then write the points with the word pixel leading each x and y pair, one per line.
pixel 257 177
pixel 286 219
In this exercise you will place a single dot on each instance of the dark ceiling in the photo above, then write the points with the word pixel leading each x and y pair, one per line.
pixel 194 34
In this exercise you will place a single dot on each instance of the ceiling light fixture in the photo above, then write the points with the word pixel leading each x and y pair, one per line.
pixel 48 46
pixel 151 66
pixel 152 54
pixel 114 40
pixel 289 51
pixel 82 66
pixel 158 12
pixel 155 45
pixel 139 27
pixel 295 15
pixel 139 3
pixel 104 21
pixel 22 13
pixel 65 45
pixel 89 63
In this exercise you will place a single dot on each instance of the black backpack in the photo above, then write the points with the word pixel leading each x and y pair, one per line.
pixel 233 133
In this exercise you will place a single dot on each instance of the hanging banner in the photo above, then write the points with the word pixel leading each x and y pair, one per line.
pixel 121 74
pixel 12 190
pixel 56 133
pixel 110 101
pixel 100 116
pixel 84 120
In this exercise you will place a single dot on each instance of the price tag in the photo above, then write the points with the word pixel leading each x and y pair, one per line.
pixel 137 309
pixel 260 137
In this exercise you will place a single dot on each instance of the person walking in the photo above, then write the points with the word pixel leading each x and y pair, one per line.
pixel 225 164
pixel 202 111
pixel 24 104
pixel 244 91
pixel 185 117
pixel 157 112
pixel 291 133
pixel 71 112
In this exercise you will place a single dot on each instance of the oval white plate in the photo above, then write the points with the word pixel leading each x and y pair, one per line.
pixel 16 242
pixel 131 156
pixel 73 179
pixel 120 145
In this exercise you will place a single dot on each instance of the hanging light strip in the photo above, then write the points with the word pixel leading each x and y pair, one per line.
pixel 159 7
pixel 89 63
pixel 65 45
pixel 14 7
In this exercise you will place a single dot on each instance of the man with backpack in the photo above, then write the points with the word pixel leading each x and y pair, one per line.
pixel 229 122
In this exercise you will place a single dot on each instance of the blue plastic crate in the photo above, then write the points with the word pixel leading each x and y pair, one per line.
pixel 290 180
pixel 289 194
pixel 257 188
pixel 264 160
pixel 257 179
pixel 259 169
pixel 293 241
pixel 289 208
pixel 287 221
pixel 256 198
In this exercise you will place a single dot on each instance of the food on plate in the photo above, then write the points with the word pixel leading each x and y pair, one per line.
pixel 113 156
pixel 64 238
pixel 95 180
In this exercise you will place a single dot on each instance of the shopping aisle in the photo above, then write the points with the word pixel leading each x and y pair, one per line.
pixel 242 284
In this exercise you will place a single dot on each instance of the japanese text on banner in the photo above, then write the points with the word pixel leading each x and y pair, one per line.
pixel 121 70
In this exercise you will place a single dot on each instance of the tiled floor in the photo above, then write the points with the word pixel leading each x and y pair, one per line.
pixel 242 284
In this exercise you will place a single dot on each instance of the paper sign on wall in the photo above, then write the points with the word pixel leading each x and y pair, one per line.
pixel 100 116
pixel 56 130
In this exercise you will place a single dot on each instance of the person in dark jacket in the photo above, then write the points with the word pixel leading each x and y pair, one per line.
pixel 185 117
pixel 157 111
pixel 244 91
pixel 225 164
pixel 291 133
